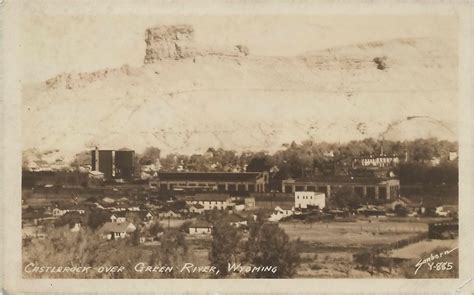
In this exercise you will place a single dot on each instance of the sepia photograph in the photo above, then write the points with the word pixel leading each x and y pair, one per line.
pixel 240 147
pixel 219 147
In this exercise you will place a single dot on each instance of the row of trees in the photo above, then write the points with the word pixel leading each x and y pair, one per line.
pixel 293 157
pixel 447 173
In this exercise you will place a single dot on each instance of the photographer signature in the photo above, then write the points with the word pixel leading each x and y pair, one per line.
pixel 429 260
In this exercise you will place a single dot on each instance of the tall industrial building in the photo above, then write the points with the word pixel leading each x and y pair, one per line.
pixel 114 164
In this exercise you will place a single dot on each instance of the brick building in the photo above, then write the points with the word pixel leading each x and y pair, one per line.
pixel 366 187
pixel 217 181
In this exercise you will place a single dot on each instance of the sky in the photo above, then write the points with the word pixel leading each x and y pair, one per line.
pixel 55 44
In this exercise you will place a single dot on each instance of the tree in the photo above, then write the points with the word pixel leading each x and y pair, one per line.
pixel 170 162
pixel 173 251
pixel 96 218
pixel 64 248
pixel 224 247
pixel 260 162
pixel 155 228
pixel 198 163
pixel 135 236
pixel 400 210
pixel 424 149
pixel 81 159
pixel 213 215
pixel 185 226
pixel 344 197
pixel 151 155
pixel 269 245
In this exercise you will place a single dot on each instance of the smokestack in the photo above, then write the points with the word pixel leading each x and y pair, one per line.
pixel 96 168
pixel 113 163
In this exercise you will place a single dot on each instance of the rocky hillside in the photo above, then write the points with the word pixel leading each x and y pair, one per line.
pixel 185 98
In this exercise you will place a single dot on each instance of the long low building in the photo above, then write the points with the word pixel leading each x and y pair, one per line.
pixel 210 201
pixel 367 187
pixel 218 181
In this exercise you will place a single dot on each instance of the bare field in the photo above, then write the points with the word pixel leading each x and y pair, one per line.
pixel 352 234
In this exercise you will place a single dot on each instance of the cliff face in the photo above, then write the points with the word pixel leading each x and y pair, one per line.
pixel 186 99
pixel 169 42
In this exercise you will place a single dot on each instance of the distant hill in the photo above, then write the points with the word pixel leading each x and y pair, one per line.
pixel 186 99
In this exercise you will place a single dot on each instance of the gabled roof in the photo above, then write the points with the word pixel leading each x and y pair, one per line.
pixel 201 224
pixel 96 173
pixel 115 227
pixel 208 176
pixel 285 207
pixel 108 200
pixel 143 214
pixel 120 213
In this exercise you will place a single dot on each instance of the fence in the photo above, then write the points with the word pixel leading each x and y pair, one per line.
pixel 369 258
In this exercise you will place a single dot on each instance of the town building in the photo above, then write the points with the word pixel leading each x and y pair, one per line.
pixel 366 187
pixel 281 212
pixel 210 201
pixel 200 227
pixel 303 199
pixel 217 181
pixel 235 220
pixel 114 231
pixel 196 209
pixel 63 209
pixel 242 202
pixel 168 213
pixel 118 217
pixel 375 161
pixel 114 164
pixel 145 215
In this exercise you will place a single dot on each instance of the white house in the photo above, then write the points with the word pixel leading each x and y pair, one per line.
pixel 168 213
pixel 281 212
pixel 305 199
pixel 58 212
pixel 76 227
pixel 61 210
pixel 145 216
pixel 196 208
pixel 118 217
pixel 239 207
pixel 113 230
pixel 235 220
pixel 210 201
pixel 200 227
